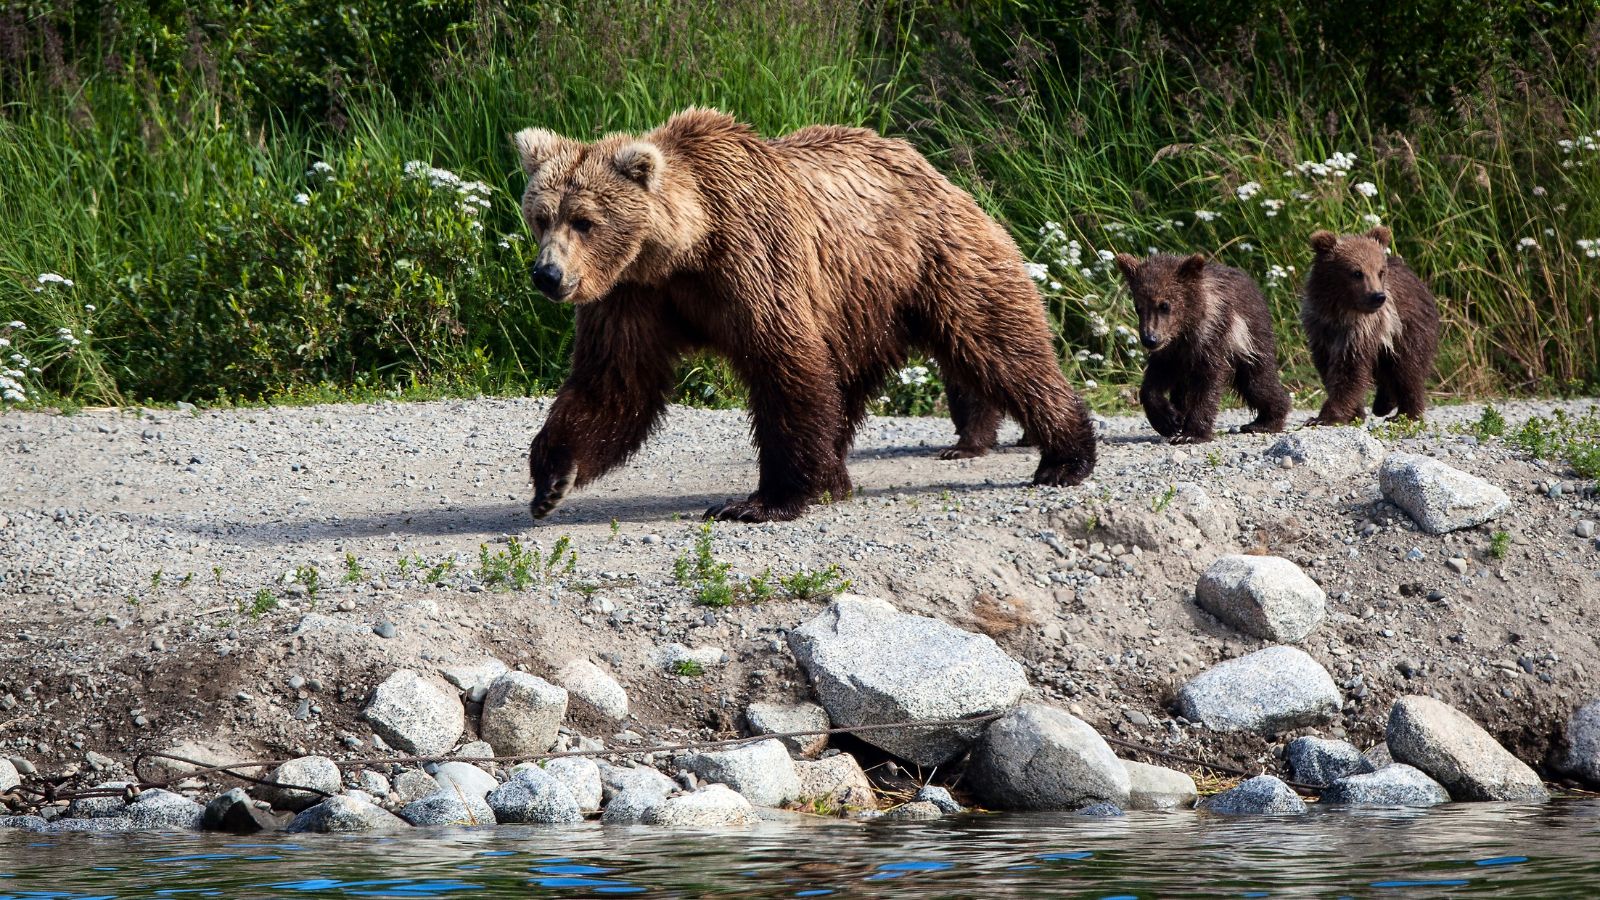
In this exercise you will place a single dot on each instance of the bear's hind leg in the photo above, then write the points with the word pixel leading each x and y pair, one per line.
pixel 1258 383
pixel 1021 375
pixel 977 422
pixel 1408 387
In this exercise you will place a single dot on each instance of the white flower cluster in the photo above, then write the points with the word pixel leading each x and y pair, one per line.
pixel 1590 247
pixel 1086 356
pixel 1527 243
pixel 1277 274
pixel 65 336
pixel 12 388
pixel 474 194
pixel 1366 189
pixel 1247 190
pixel 1128 336
pixel 1583 143
pixel 1372 219
pixel 1205 215
pixel 1271 206
pixel 1338 165
pixel 302 199
pixel 320 168
pixel 915 375
pixel 48 278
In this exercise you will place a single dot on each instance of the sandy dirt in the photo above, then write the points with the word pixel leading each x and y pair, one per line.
pixel 147 567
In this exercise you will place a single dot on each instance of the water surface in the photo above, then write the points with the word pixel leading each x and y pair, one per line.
pixel 1465 850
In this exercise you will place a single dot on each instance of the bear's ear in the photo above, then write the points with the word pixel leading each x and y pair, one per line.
pixel 1323 241
pixel 535 147
pixel 1381 234
pixel 640 161
pixel 1129 264
pixel 1192 266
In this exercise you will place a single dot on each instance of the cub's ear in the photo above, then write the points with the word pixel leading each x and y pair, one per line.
pixel 1323 241
pixel 1381 234
pixel 642 162
pixel 536 147
pixel 1129 264
pixel 1192 266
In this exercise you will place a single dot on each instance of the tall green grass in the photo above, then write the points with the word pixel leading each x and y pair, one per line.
pixel 166 190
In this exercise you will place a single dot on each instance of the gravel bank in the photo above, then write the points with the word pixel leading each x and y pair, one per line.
pixel 149 560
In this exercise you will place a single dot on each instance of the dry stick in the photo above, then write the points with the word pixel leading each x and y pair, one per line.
pixel 50 791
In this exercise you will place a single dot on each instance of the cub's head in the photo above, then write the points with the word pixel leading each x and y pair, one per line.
pixel 1350 271
pixel 593 209
pixel 1167 293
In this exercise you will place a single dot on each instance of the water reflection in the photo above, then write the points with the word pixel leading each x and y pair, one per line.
pixel 1478 849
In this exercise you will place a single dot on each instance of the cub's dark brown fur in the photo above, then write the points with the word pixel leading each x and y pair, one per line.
pixel 1368 319
pixel 1205 325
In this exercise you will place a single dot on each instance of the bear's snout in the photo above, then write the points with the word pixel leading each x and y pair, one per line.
pixel 1376 299
pixel 1149 340
pixel 547 278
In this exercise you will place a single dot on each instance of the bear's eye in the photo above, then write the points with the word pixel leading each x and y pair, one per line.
pixel 1163 307
pixel 582 225
pixel 541 223
pixel 1355 273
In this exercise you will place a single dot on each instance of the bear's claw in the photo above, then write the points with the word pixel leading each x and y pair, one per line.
pixel 753 511
pixel 960 452
pixel 547 497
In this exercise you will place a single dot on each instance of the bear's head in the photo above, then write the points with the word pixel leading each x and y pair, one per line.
pixel 1350 271
pixel 1168 294
pixel 603 213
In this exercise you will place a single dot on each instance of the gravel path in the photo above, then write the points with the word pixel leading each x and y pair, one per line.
pixel 148 560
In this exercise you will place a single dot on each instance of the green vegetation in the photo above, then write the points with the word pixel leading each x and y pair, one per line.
pixel 1165 500
pixel 517 566
pixel 353 572
pixel 1575 439
pixel 310 578
pixel 688 668
pixel 805 585
pixel 281 201
pixel 714 585
pixel 263 602
pixel 1499 544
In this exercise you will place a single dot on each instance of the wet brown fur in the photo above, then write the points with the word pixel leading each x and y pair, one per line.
pixel 1355 340
pixel 813 262
pixel 1205 326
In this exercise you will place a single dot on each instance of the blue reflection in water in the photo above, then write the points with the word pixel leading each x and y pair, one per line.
pixel 1443 882
pixel 379 888
pixel 1502 861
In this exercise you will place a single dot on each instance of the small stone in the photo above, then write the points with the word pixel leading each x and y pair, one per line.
pixel 533 797
pixel 372 782
pixel 416 715
pixel 915 811
pixel 713 806
pixel 1099 811
pixel 761 771
pixel 1262 795
pixel 234 812
pixel 316 772
pixel 593 687
pixel 1583 744
pixel 342 815
pixel 1457 565
pixel 940 797
pixel 1392 785
pixel 159 810
pixel 385 630
pixel 778 718
pixel 1155 787
pixel 464 778
pixel 582 779
pixel 838 781
pixel 8 776
pixel 1439 498
pixel 1037 757
pixel 616 780
pixel 522 714
pixel 1263 596
pixel 631 806
pixel 1320 762
pixel 1584 529
pixel 448 808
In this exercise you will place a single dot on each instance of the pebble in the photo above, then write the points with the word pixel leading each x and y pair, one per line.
pixel 385 630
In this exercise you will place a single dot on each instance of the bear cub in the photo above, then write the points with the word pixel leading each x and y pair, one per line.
pixel 1369 320
pixel 1205 326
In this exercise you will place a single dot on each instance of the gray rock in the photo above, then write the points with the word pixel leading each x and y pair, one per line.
pixel 616 780
pixel 1583 744
pixel 413 784
pixel 631 806
pixel 448 808
pixel 871 664
pixel 99 824
pixel 158 810
pixel 1263 596
pixel 473 678
pixel 1437 497
pixel 1320 762
pixel 338 815
pixel 1189 518
pixel 316 772
pixel 1036 757
pixel 779 718
pixel 594 687
pixel 1335 453
pixel 98 807
pixel 940 797
pixel 8 776
pixel 1262 795
pixel 533 797
pixel 465 778
pixel 1268 690
pixel 837 781
pixel 915 811
pixel 1392 785
pixel 1456 752
pixel 475 750
pixel 372 782
pixel 235 812
pixel 713 806
pixel 582 778
pixel 1100 810
pixel 23 823
pixel 416 715
pixel 1155 787
pixel 522 714
pixel 762 771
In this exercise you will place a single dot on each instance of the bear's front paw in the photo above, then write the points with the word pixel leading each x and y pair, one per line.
pixel 1190 438
pixel 960 452
pixel 550 491
pixel 753 509
pixel 1063 474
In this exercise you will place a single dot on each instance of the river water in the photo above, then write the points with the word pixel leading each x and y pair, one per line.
pixel 1454 851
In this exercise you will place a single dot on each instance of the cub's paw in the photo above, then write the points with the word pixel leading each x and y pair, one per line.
pixel 960 452
pixel 550 492
pixel 1260 428
pixel 1190 439
pixel 753 509
pixel 1063 474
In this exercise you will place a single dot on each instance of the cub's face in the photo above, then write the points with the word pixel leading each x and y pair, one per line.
pixel 1354 267
pixel 589 207
pixel 1163 289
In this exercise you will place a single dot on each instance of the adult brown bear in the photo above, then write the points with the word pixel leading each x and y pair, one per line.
pixel 813 262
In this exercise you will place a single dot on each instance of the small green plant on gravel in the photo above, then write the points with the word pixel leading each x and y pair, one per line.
pixel 704 573
pixel 513 567
pixel 1400 428
pixel 310 578
pixel 1165 500
pixel 155 581
pixel 188 579
pixel 1577 439
pixel 1499 544
pixel 561 555
pixel 616 529
pixel 760 587
pixel 263 602
pixel 1214 459
pixel 586 588
pixel 352 569
pixel 804 585
pixel 216 573
pixel 1490 424
pixel 132 600
pixel 688 668
pixel 438 570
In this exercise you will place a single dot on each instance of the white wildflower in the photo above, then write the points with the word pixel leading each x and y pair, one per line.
pixel 1248 189
pixel 914 375
pixel 1272 206
pixel 1277 274
pixel 89 307
pixel 1539 191
pixel 53 278
pixel 1590 247
pixel 5 342
pixel 1247 247
pixel 1527 243
pixel 1372 219
pixel 1366 189
pixel 302 199
pixel 1037 271
pixel 1205 215
pixel 1105 255
pixel 16 324
pixel 1090 384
